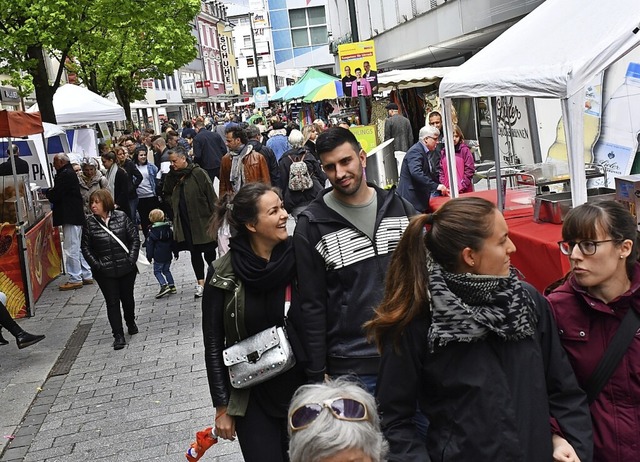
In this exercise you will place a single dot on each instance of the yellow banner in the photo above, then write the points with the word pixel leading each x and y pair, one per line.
pixel 366 135
pixel 358 59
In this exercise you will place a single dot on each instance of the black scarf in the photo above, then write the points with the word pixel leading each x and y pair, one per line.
pixel 258 273
pixel 468 307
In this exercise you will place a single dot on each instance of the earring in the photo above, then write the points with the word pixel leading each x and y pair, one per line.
pixel 621 257
pixel 473 263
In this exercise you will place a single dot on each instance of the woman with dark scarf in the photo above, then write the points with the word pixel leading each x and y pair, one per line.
pixel 188 189
pixel 475 347
pixel 117 182
pixel 244 295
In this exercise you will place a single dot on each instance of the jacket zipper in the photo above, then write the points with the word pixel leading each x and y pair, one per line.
pixel 235 297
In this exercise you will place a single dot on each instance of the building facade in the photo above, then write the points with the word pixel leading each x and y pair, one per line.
pixel 409 33
pixel 220 81
pixel 300 30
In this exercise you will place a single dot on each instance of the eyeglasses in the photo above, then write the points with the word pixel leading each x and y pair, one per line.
pixel 586 247
pixel 347 409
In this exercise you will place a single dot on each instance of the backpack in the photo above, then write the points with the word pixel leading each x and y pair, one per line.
pixel 299 176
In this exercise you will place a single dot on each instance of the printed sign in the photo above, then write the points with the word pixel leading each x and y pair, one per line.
pixel 358 59
pixel 260 97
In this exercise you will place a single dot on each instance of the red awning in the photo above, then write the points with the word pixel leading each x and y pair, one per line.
pixel 17 124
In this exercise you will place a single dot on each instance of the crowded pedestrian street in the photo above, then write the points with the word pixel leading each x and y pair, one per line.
pixel 319 231
pixel 72 398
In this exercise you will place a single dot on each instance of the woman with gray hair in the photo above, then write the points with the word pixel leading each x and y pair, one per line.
pixel 335 420
pixel 91 179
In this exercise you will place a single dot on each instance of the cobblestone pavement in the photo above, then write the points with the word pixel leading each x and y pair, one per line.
pixel 144 402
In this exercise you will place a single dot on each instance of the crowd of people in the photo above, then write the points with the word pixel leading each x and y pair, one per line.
pixel 412 337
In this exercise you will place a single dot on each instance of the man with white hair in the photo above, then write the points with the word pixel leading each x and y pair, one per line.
pixel 420 172
pixel 68 212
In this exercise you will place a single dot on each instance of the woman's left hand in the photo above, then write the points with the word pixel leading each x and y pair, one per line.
pixel 563 451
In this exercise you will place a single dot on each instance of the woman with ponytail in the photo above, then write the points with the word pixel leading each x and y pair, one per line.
pixel 474 346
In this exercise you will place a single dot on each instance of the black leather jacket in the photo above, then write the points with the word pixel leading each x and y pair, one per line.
pixel 105 256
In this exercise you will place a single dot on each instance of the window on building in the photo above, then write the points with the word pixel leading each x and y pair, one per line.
pixel 247 41
pixel 308 26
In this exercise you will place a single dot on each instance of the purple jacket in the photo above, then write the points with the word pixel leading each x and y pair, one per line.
pixel 465 168
pixel 586 326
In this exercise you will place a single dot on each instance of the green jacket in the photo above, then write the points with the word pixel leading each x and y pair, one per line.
pixel 200 200
pixel 234 328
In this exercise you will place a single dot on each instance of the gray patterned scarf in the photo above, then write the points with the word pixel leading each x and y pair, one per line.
pixel 236 177
pixel 468 307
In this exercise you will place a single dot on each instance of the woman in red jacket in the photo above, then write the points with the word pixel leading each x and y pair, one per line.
pixel 600 241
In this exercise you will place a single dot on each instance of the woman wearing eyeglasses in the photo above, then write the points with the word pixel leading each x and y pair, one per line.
pixel 475 347
pixel 245 294
pixel 335 421
pixel 600 240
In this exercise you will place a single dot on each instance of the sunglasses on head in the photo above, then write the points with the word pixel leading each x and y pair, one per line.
pixel 342 408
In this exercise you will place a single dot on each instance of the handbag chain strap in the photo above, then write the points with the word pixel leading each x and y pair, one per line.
pixel 112 235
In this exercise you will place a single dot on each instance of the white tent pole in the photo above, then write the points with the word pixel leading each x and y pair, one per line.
pixel 572 112
pixel 12 159
pixel 44 162
pixel 496 152
pixel 447 127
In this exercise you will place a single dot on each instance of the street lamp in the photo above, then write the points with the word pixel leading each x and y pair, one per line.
pixel 255 51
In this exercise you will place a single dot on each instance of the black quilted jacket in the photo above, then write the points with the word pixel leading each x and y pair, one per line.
pixel 103 253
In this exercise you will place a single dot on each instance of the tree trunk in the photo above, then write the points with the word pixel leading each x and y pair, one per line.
pixel 44 92
pixel 122 95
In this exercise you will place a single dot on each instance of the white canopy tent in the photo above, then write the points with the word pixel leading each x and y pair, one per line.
pixel 75 105
pixel 552 52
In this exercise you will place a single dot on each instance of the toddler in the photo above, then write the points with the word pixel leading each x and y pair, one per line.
pixel 159 244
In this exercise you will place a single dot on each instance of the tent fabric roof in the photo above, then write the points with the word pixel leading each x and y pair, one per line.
pixel 17 123
pixel 552 52
pixel 277 96
pixel 75 105
pixel 311 80
pixel 409 78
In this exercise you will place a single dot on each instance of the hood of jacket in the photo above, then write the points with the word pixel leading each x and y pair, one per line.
pixel 257 145
pixel 87 183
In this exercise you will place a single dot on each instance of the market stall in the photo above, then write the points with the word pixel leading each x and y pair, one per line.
pixel 30 250
pixel 525 62
pixel 77 106
pixel 38 150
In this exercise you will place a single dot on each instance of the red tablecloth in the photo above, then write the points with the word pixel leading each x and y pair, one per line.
pixel 537 254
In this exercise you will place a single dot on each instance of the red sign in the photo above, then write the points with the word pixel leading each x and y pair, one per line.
pixel 11 282
pixel 199 84
pixel 44 254
pixel 207 83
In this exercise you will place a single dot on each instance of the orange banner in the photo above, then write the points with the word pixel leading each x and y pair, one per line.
pixel 11 282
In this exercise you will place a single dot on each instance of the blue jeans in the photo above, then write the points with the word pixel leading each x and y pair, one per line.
pixel 77 267
pixel 369 382
pixel 133 205
pixel 162 273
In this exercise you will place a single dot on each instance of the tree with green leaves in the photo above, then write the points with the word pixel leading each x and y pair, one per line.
pixel 151 39
pixel 33 30
pixel 119 42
